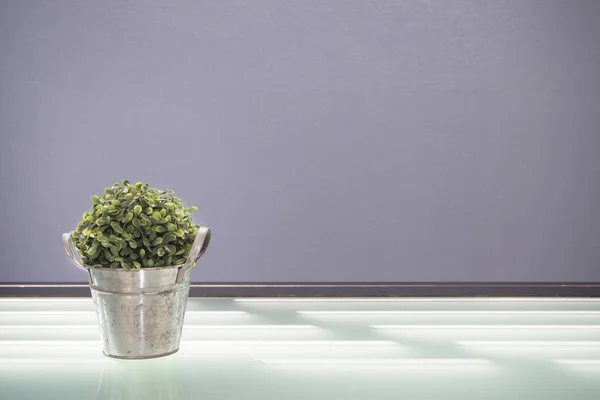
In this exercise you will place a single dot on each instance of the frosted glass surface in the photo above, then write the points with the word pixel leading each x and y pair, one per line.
pixel 315 349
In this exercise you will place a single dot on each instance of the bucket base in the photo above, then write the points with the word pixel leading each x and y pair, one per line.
pixel 141 357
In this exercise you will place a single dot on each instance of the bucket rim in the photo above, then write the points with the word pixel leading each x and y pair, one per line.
pixel 94 268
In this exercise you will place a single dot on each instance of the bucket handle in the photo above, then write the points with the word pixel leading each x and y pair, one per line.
pixel 198 248
pixel 72 254
pixel 72 251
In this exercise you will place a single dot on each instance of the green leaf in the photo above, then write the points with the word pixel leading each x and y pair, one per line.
pixel 116 227
pixel 126 203
pixel 114 250
pixel 163 212
pixel 156 215
pixel 142 252
pixel 169 237
pixel 169 248
pixel 171 226
pixel 146 241
pixel 133 244
pixel 160 251
pixel 128 217
pixel 137 209
pixel 179 261
pixel 102 239
pixel 160 229
pixel 157 241
pixel 136 222
pixel 126 265
pixel 92 252
pixel 95 199
pixel 101 228
pixel 101 221
pixel 136 265
pixel 150 263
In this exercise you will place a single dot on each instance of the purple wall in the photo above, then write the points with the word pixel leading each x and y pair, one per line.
pixel 322 140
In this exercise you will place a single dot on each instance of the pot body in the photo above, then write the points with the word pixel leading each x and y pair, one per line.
pixel 141 312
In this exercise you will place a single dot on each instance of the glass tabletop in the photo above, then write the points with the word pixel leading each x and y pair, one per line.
pixel 305 348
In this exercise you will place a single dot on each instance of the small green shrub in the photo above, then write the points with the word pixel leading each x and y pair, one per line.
pixel 135 226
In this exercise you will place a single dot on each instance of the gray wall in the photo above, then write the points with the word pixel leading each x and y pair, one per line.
pixel 322 140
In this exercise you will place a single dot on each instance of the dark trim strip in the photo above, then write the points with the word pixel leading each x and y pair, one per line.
pixel 335 289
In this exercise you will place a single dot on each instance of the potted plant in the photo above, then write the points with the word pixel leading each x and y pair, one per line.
pixel 138 245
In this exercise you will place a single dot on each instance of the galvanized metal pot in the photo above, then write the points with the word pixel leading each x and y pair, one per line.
pixel 140 312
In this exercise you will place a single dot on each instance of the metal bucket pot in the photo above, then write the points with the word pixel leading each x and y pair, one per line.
pixel 140 312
